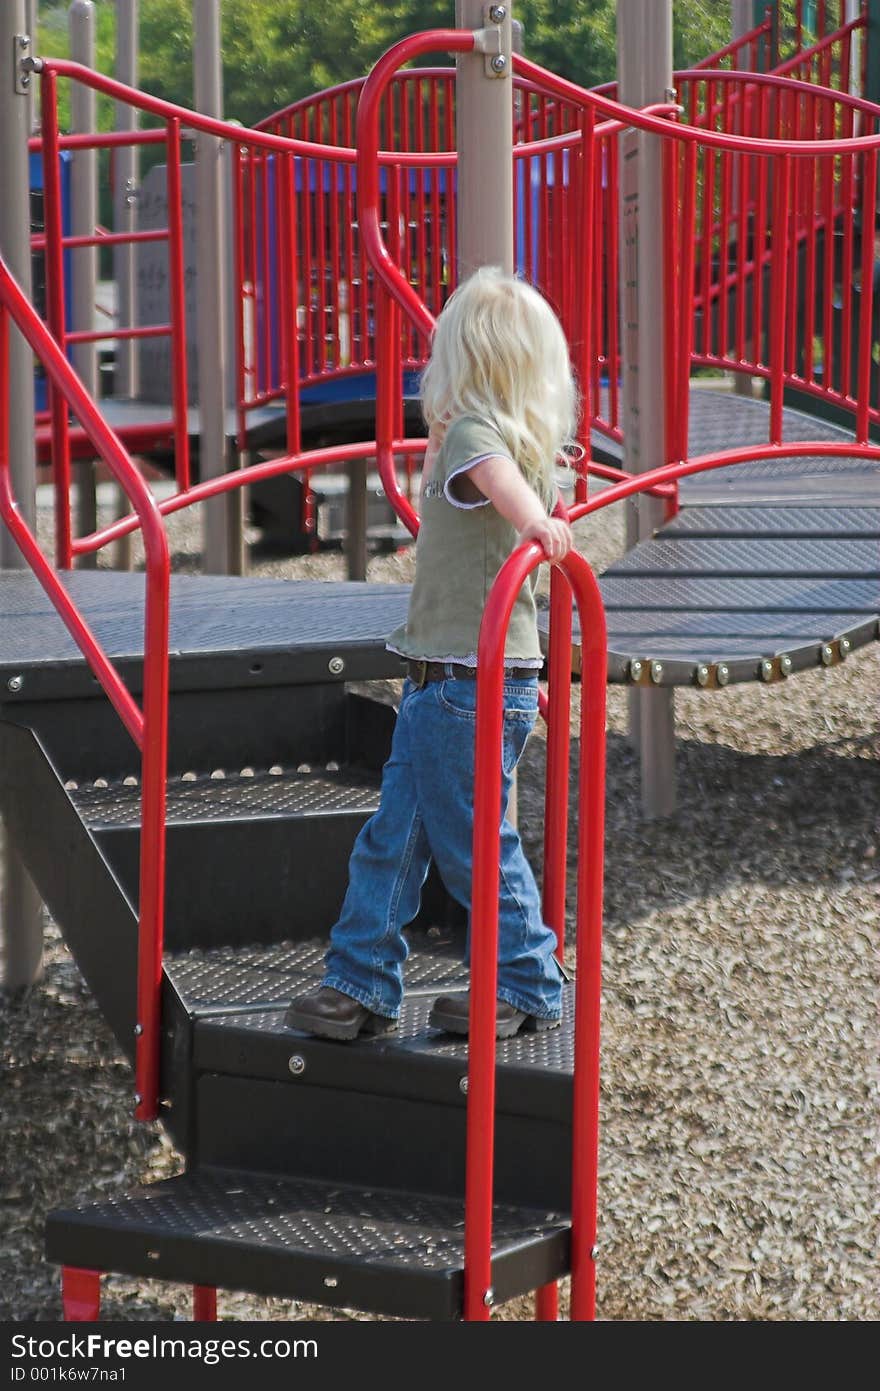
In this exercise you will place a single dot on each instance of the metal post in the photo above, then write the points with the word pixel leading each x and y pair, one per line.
pixel 21 933
pixel 126 170
pixel 644 74
pixel 484 136
pixel 484 177
pixel 742 17
pixel 872 39
pixel 83 220
pixel 30 13
pixel 851 10
pixel 224 530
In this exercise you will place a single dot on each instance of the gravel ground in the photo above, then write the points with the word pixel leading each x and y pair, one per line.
pixel 740 1022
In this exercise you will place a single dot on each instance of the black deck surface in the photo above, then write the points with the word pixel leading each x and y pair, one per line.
pixel 292 628
pixel 770 567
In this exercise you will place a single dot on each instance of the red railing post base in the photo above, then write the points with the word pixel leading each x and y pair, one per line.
pixel 80 1294
pixel 204 1304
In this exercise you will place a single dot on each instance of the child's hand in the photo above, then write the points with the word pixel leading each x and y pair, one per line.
pixel 553 534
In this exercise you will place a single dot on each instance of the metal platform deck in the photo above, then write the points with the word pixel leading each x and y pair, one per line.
pixel 224 631
pixel 768 569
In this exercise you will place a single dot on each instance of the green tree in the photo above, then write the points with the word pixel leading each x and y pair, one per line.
pixel 276 51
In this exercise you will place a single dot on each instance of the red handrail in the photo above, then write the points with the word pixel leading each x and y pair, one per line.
pixel 147 725
pixel 484 920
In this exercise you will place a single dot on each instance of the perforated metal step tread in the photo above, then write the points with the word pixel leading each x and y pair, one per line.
pixel 228 980
pixel 379 1250
pixel 308 790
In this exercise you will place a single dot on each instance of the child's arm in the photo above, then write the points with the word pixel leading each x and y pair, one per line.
pixel 501 482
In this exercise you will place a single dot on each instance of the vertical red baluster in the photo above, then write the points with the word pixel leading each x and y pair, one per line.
pixel 204 1303
pixel 612 270
pixel 179 386
pixel 587 345
pixel 779 293
pixel 80 1294
pixel 54 262
pixel 241 386
pixel 866 346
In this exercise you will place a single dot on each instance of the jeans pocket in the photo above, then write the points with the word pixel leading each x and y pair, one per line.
pixel 459 695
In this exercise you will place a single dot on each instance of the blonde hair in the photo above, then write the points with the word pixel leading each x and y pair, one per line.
pixel 499 352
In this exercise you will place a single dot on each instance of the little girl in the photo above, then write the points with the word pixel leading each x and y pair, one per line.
pixel 499 401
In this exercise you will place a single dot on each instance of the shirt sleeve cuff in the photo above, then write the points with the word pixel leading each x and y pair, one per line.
pixel 456 473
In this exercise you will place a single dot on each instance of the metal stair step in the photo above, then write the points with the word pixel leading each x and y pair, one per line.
pixel 232 794
pixel 534 1070
pixel 234 979
pixel 380 1250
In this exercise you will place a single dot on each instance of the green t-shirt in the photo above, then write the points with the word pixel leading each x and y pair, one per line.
pixel 460 548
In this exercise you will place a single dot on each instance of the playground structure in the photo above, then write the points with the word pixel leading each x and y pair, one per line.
pixel 319 386
pixel 807 209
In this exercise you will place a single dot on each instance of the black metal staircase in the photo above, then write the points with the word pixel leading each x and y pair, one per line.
pixel 314 1170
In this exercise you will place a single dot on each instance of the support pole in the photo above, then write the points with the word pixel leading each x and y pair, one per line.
pixel 21 932
pixel 30 13
pixel 872 39
pixel 484 139
pixel 223 526
pixel 83 220
pixel 484 136
pixel 126 171
pixel 644 75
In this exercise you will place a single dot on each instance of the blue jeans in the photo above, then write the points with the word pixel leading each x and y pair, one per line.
pixel 426 812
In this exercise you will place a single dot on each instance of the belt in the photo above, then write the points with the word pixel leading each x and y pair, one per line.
pixel 420 673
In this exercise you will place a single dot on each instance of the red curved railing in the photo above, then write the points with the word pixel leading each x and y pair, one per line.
pixel 681 146
pixel 147 725
pixel 302 213
pixel 484 919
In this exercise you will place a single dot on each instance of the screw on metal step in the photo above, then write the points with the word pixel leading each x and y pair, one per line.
pixel 635 669
pixel 723 675
pixel 702 674
pixel 656 672
pixel 766 670
pixel 331 1282
pixel 785 664
pixel 489 1297
pixel 297 1064
pixel 138 1030
pixel 827 654
pixel 15 683
pixel 845 646
pixel 336 665
pixel 463 1085
pixel 594 1251
pixel 153 1255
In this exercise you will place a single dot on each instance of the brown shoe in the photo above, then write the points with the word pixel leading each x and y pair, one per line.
pixel 452 1013
pixel 330 1014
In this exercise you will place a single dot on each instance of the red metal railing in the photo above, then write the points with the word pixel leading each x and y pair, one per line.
pixel 314 227
pixel 148 724
pixel 484 917
pixel 763 165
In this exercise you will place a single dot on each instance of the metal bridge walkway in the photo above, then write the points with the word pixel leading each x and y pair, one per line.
pixel 769 567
